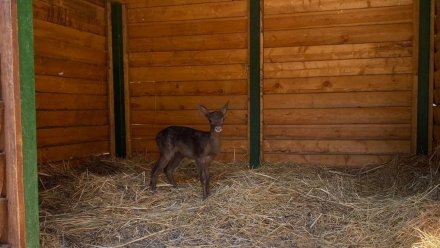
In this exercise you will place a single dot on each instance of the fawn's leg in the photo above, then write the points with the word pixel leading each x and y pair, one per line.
pixel 204 177
pixel 169 169
pixel 161 164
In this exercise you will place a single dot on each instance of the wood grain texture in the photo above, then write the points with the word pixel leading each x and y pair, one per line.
pixel 336 132
pixel 356 83
pixel 67 152
pixel 339 35
pixel 71 135
pixel 188 12
pixel 189 27
pixel 377 115
pixel 46 119
pixel 176 58
pixel 13 210
pixel 183 117
pixel 57 84
pixel 331 160
pixel 189 43
pixel 394 14
pixel 204 88
pixel 150 130
pixel 339 100
pixel 282 7
pixel 187 102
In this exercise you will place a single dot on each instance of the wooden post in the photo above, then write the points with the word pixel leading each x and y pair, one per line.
pixel 28 121
pixel 254 84
pixel 10 79
pixel 110 89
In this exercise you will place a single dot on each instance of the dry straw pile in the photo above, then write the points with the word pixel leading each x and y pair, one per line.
pixel 105 203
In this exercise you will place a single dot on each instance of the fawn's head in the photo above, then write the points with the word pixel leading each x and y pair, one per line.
pixel 215 118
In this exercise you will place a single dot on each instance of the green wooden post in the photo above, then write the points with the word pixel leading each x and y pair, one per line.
pixel 118 79
pixel 28 121
pixel 254 81
pixel 423 73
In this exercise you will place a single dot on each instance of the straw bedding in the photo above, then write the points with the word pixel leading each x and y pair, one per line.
pixel 106 203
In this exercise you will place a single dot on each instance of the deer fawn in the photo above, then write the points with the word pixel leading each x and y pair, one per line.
pixel 177 142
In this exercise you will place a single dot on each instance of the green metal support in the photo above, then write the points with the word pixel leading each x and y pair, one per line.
pixel 118 79
pixel 28 121
pixel 423 76
pixel 254 80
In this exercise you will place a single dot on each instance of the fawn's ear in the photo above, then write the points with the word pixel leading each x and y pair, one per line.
pixel 204 110
pixel 225 108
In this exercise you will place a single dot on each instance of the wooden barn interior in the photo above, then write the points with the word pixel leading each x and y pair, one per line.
pixel 334 83
pixel 337 86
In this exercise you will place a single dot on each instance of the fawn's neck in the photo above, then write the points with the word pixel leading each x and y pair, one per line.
pixel 214 138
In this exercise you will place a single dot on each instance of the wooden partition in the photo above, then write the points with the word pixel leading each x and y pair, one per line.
pixel 71 78
pixel 185 53
pixel 338 83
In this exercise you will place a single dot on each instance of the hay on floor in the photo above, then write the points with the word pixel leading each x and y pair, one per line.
pixel 106 203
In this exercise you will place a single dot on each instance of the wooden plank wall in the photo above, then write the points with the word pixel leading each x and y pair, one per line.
pixel 181 54
pixel 71 78
pixel 338 80
pixel 436 78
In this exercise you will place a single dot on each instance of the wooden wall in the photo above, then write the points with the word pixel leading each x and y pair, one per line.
pixel 71 78
pixel 338 80
pixel 185 53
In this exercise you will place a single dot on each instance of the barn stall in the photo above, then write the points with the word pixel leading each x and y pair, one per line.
pixel 322 83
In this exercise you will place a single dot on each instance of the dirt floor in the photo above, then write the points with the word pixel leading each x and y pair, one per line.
pixel 106 203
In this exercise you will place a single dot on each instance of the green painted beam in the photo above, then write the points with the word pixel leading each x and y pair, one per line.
pixel 423 77
pixel 254 81
pixel 118 79
pixel 28 121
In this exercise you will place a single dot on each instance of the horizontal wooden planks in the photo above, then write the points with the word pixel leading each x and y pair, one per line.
pixel 185 28
pixel 185 53
pixel 393 14
pixel 190 43
pixel 337 146
pixel 339 35
pixel 150 130
pixel 67 152
pixel 183 117
pixel 186 102
pixel 281 6
pixel 339 52
pixel 188 12
pixel 353 83
pixel 204 88
pixel 53 101
pixel 175 58
pixel 71 135
pixel 346 160
pixel 339 131
pixel 339 100
pixel 76 14
pixel 227 146
pixel 65 118
pixel 51 31
pixel 337 81
pixel 71 78
pixel 57 84
pixel 376 115
pixel 70 69
pixel 338 67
